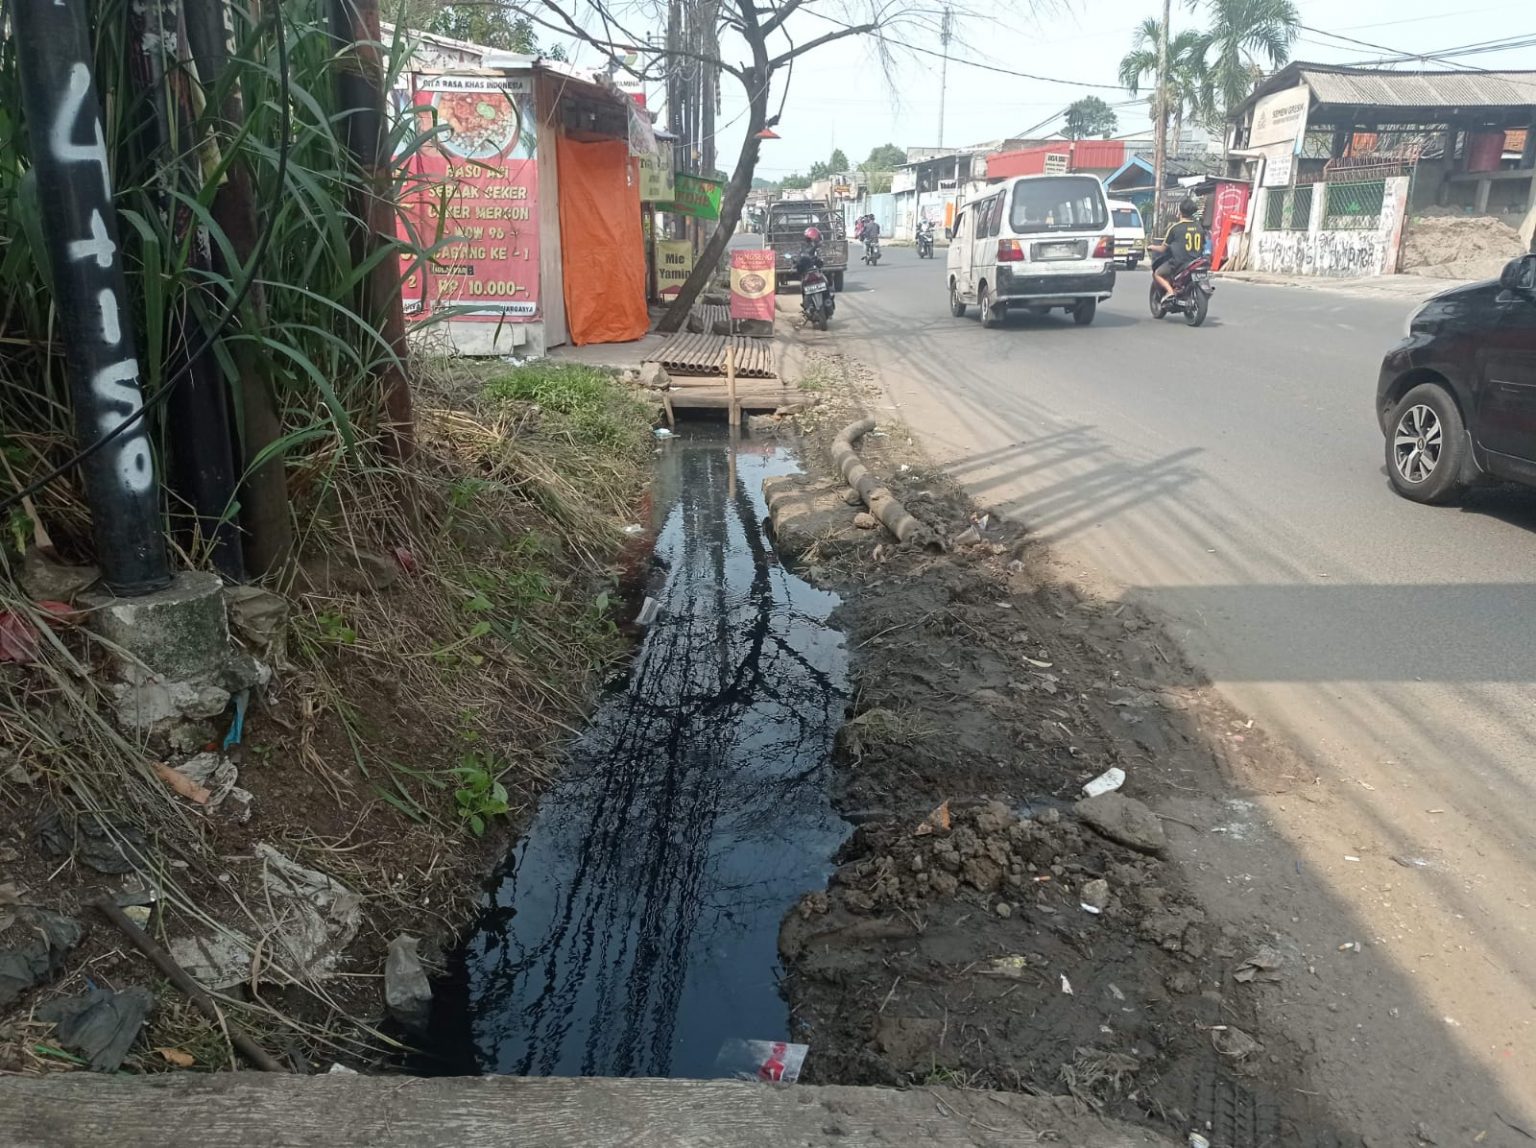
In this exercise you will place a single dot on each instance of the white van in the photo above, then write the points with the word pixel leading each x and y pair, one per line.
pixel 1034 242
pixel 1130 234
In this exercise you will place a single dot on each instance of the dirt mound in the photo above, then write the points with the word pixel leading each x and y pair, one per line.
pixel 1459 246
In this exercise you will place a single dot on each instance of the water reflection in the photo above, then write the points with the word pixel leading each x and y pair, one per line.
pixel 635 927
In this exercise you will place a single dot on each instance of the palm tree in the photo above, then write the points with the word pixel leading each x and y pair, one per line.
pixel 1244 36
pixel 1190 92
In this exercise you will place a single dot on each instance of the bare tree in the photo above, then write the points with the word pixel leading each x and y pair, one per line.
pixel 772 35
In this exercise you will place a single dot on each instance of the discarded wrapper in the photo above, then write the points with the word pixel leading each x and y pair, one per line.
pixel 648 611
pixel 937 820
pixel 771 1060
pixel 662 432
pixel 1107 782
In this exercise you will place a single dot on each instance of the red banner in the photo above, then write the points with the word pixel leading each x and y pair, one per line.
pixel 474 198
pixel 752 285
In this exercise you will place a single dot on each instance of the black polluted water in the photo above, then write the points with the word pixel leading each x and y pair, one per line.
pixel 634 929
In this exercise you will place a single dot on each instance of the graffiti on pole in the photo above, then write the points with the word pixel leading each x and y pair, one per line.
pixel 74 182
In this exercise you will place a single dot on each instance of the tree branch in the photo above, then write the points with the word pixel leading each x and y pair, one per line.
pixel 810 45
pixel 569 25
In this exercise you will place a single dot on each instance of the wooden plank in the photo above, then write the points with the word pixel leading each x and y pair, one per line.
pixel 266 1110
pixel 730 387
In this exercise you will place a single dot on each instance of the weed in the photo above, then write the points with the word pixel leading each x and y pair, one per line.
pixel 591 405
pixel 480 795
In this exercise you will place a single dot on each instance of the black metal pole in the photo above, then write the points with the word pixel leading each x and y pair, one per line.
pixel 74 185
pixel 200 439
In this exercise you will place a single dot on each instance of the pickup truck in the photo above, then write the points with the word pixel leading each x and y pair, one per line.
pixel 784 234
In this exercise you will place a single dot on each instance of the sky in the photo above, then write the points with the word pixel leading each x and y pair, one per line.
pixel 838 96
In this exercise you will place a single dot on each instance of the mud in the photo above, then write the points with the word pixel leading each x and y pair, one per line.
pixel 957 942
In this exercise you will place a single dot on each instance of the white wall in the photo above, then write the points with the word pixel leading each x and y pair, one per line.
pixel 1339 254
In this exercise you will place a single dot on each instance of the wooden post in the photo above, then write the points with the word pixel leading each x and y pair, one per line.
pixel 730 383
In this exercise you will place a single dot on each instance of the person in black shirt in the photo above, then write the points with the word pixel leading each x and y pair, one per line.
pixel 1184 243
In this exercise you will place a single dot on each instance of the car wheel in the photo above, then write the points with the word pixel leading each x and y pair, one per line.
pixel 1130 264
pixel 1427 446
pixel 1084 312
pixel 984 307
pixel 956 307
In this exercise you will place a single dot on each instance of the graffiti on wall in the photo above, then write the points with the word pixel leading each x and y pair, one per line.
pixel 1345 253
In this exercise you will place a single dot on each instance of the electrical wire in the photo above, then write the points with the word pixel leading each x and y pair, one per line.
pixel 258 255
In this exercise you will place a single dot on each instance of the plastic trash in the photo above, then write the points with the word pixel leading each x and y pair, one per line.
pixel 634 528
pixel 649 609
pixel 663 432
pixel 773 1060
pixel 1107 782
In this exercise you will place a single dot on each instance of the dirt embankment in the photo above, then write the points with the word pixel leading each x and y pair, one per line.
pixel 440 636
pixel 984 928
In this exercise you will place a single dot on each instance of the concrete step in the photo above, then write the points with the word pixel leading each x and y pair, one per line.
pixel 343 1111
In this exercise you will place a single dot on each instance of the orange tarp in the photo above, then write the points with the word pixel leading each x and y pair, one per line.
pixel 601 247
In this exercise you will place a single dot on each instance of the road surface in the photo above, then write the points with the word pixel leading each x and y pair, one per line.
pixel 1231 480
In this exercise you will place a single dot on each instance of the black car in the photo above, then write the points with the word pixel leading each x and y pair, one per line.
pixel 1457 397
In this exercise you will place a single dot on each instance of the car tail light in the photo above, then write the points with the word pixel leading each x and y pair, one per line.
pixel 1009 251
pixel 1105 248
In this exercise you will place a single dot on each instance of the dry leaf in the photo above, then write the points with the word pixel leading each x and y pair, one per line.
pixel 177 1057
pixel 182 784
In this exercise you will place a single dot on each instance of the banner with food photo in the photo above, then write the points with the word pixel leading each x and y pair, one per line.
pixel 482 160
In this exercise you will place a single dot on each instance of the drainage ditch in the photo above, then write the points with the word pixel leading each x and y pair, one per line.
pixel 633 931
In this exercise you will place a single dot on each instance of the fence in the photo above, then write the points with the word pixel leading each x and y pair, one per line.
pixel 1355 229
pixel 1353 206
pixel 1288 209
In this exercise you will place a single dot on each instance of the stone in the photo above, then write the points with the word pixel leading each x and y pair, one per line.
pixel 653 376
pixel 1124 820
pixel 1182 981
pixel 47 580
pixel 866 521
pixel 407 990
pixel 1094 894
pixel 1004 910
pixel 349 572
pixel 994 817
pixel 982 873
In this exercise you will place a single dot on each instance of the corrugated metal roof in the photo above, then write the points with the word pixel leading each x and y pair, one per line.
pixel 1422 89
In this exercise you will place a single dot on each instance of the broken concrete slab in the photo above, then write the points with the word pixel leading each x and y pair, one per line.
pixel 244 1110
pixel 46 579
pixel 807 511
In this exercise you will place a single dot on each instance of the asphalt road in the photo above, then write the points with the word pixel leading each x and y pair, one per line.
pixel 1231 480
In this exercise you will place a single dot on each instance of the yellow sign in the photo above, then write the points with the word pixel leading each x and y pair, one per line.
pixel 656 182
pixel 674 263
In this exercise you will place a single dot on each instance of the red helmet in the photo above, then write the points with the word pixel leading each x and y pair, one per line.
pixel 813 235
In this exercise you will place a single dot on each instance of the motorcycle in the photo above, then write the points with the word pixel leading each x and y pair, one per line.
pixel 1191 296
pixel 871 251
pixel 816 299
pixel 925 244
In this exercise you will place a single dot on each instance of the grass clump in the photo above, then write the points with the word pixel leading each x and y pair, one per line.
pixel 590 405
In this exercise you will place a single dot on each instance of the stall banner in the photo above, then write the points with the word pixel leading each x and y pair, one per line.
pixel 697 197
pixel 674 263
pixel 656 182
pixel 752 285
pixel 480 183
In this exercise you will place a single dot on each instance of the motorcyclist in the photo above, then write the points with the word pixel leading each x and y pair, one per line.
pixel 810 254
pixel 925 232
pixel 869 232
pixel 1184 243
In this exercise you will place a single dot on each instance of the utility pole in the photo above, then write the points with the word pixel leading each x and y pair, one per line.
pixel 1160 128
pixel 946 33
pixel 74 193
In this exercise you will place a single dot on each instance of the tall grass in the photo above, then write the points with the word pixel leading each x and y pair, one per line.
pixel 300 330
